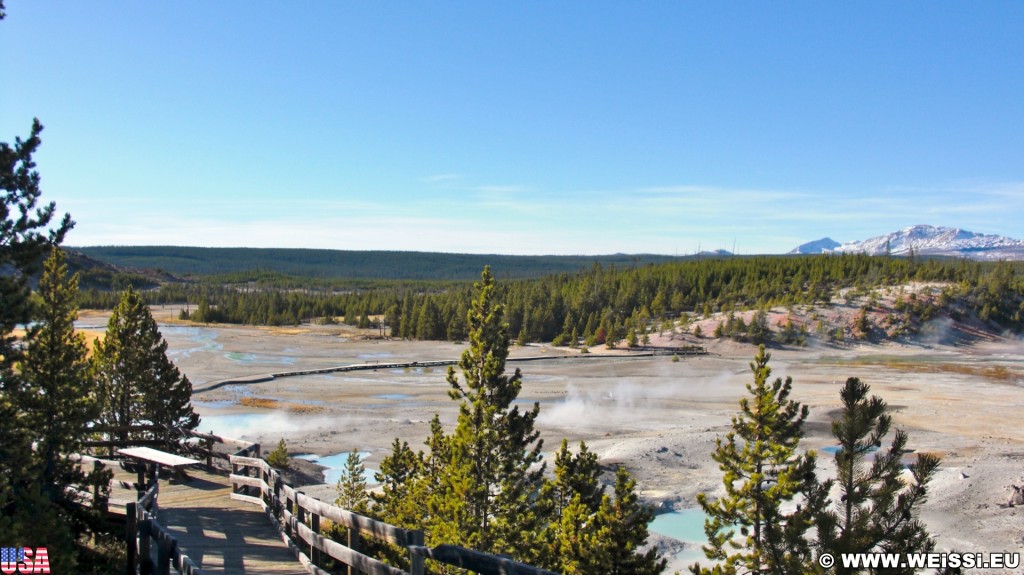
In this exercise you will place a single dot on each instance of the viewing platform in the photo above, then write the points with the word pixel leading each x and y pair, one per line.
pixel 243 518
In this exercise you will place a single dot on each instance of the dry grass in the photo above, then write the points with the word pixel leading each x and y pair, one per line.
pixel 267 403
pixel 993 372
pixel 90 336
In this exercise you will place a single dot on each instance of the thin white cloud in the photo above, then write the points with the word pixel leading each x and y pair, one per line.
pixel 523 220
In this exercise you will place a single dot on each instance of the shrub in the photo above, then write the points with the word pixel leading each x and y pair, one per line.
pixel 278 458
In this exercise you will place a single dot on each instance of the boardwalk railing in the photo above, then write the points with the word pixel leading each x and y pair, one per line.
pixel 201 446
pixel 142 531
pixel 299 516
pixel 127 436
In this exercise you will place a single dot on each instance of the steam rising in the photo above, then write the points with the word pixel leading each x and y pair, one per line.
pixel 273 425
pixel 628 404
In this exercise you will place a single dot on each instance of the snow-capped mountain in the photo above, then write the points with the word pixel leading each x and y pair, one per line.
pixel 931 241
pixel 824 245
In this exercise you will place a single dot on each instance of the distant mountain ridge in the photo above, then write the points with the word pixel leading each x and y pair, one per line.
pixel 342 264
pixel 822 246
pixel 926 240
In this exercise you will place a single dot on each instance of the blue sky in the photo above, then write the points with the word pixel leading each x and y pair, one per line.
pixel 519 127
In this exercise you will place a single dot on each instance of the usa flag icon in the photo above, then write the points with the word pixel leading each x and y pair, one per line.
pixel 12 554
pixel 10 557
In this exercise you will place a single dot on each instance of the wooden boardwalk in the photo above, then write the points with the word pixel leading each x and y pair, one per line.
pixel 222 535
pixel 199 526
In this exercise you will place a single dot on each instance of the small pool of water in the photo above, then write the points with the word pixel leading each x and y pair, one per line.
pixel 686 525
pixel 335 463
pixel 256 358
pixel 204 337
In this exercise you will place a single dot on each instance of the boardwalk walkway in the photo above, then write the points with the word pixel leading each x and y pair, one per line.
pixel 206 524
pixel 221 535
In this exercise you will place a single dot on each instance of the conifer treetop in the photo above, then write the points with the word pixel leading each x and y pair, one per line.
pixel 483 363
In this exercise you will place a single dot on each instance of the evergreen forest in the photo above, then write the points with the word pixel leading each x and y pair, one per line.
pixel 599 304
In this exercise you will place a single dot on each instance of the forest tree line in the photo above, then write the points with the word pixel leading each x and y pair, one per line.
pixel 599 303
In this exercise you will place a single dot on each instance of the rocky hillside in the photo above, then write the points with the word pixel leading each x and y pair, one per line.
pixel 925 240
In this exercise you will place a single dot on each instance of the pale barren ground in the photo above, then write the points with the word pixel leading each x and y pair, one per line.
pixel 657 417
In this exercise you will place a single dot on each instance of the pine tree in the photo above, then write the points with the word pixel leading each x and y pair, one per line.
pixel 60 398
pixel 139 384
pixel 762 473
pixel 570 501
pixel 278 457
pixel 57 403
pixel 352 485
pixel 574 474
pixel 400 475
pixel 25 237
pixel 876 511
pixel 623 523
pixel 589 530
pixel 484 500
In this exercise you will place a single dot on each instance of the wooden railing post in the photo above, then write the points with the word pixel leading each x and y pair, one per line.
pixel 265 492
pixel 417 563
pixel 314 524
pixel 257 472
pixel 276 501
pixel 209 453
pixel 289 504
pixel 165 549
pixel 145 551
pixel 353 544
pixel 131 532
pixel 300 515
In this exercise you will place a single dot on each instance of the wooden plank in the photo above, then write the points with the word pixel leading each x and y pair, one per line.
pixel 156 456
pixel 247 499
pixel 241 443
pixel 250 462
pixel 248 481
pixel 225 534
